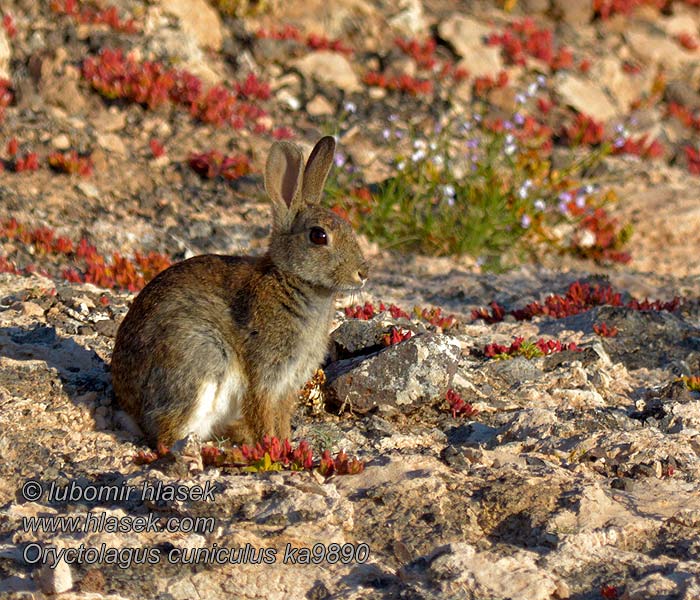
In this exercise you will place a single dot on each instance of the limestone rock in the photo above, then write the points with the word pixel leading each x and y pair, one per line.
pixel 585 96
pixel 487 575
pixel 318 106
pixel 659 50
pixel 409 18
pixel 330 68
pixel 466 35
pixel 198 19
pixel 5 55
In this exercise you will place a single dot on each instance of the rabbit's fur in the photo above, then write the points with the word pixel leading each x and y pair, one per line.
pixel 220 345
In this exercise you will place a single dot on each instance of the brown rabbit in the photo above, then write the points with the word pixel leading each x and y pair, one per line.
pixel 220 345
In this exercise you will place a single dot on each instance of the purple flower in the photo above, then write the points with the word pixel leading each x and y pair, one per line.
pixel 525 221
pixel 565 196
pixel 339 159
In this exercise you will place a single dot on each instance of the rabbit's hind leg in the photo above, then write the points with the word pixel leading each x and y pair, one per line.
pixel 196 397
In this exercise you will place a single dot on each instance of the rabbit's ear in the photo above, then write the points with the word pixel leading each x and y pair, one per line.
pixel 317 168
pixel 283 175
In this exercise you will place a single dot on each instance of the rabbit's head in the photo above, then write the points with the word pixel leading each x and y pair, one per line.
pixel 307 240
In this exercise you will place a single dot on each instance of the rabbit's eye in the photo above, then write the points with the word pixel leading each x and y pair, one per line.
pixel 318 236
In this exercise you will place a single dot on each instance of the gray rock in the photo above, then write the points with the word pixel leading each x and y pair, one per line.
pixel 399 378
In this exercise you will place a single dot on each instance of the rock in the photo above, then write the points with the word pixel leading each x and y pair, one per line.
pixel 677 24
pixel 330 68
pixel 409 20
pixel 5 55
pixel 678 91
pixel 61 142
pixel 113 143
pixel 188 451
pixel 198 19
pixel 31 309
pixel 659 50
pixel 184 48
pixel 623 87
pixel 585 96
pixel 108 121
pixel 488 575
pixel 467 37
pixel 318 106
pixel 399 378
pixel 55 579
pixel 575 14
pixel 64 92
pixel 356 336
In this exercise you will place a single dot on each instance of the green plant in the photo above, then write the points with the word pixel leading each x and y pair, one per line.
pixel 485 188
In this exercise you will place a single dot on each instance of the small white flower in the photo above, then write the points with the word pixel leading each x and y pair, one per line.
pixel 386 134
pixel 539 204
pixel 532 90
pixel 541 80
pixel 400 166
pixel 524 190
pixel 350 107
pixel 393 118
pixel 520 98
pixel 509 138
pixel 339 159
pixel 419 143
pixel 432 146
pixel 418 155
pixel 510 149
pixel 580 201
pixel 448 190
pixel 438 161
pixel 525 221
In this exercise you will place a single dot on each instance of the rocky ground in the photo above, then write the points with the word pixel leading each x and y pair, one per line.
pixel 493 468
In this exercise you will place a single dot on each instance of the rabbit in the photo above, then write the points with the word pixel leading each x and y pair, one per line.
pixel 220 345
